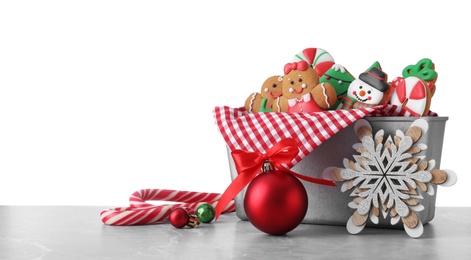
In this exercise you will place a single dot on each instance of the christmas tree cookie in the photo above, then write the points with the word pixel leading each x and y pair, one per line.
pixel 340 79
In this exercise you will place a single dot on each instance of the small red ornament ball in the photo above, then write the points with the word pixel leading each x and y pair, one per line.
pixel 179 217
pixel 275 202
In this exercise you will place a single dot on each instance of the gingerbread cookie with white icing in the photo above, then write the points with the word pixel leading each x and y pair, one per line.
pixel 302 91
pixel 262 101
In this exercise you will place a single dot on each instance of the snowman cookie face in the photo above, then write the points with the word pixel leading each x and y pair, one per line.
pixel 364 93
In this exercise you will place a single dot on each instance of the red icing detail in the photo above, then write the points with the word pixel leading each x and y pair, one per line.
pixel 401 89
pixel 298 91
pixel 275 96
pixel 418 92
pixel 322 67
pixel 310 54
pixel 305 106
pixel 300 65
pixel 374 76
pixel 412 112
pixel 396 81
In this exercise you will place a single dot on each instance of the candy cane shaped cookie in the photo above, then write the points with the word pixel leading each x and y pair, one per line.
pixel 411 93
pixel 318 58
pixel 140 212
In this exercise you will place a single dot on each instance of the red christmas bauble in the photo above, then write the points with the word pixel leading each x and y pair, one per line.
pixel 179 217
pixel 275 202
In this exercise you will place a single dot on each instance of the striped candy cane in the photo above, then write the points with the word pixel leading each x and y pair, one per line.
pixel 140 212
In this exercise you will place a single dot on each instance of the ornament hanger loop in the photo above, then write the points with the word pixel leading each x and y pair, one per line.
pixel 267 166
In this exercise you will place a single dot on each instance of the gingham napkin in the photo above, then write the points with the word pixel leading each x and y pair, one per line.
pixel 252 132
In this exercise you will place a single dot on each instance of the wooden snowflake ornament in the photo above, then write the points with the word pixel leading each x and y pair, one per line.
pixel 389 178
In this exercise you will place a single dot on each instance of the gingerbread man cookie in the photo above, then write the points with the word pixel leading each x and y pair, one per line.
pixel 302 91
pixel 263 101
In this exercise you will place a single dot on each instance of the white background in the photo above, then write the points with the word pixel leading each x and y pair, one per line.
pixel 99 99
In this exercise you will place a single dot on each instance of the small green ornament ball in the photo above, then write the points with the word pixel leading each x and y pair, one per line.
pixel 205 212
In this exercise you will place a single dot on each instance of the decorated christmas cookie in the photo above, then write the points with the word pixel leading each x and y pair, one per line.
pixel 424 70
pixel 414 90
pixel 262 102
pixel 369 90
pixel 411 93
pixel 340 79
pixel 375 65
pixel 317 58
pixel 302 91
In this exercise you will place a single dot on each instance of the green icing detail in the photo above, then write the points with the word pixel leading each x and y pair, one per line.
pixel 263 106
pixel 340 89
pixel 375 65
pixel 422 69
pixel 345 77
pixel 318 57
pixel 299 57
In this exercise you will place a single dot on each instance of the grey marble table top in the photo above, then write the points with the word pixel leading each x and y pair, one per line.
pixel 75 232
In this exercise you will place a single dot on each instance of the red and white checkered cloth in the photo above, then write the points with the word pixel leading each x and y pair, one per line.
pixel 252 132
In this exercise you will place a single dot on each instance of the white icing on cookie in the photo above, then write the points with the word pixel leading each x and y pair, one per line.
pixel 252 101
pixel 338 67
pixel 325 95
pixel 278 104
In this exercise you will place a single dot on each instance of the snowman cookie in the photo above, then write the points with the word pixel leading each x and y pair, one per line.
pixel 370 89
pixel 302 91
pixel 263 101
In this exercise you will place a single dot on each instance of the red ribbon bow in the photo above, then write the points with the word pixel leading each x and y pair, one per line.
pixel 249 165
pixel 300 65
